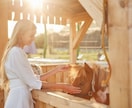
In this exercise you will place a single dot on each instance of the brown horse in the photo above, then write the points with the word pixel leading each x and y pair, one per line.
pixel 89 79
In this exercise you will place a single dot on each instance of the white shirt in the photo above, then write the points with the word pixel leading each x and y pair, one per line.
pixel 21 79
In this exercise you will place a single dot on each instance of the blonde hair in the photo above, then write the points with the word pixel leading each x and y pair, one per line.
pixel 20 28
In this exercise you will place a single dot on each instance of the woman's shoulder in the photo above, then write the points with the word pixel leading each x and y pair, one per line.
pixel 15 50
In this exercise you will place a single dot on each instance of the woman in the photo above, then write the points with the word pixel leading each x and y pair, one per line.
pixel 16 69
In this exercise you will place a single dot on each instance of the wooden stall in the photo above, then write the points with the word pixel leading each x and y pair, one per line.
pixel 120 48
pixel 72 12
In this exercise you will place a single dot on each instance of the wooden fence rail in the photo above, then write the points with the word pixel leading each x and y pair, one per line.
pixel 62 100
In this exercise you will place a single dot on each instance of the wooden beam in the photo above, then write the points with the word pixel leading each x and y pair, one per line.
pixel 63 100
pixel 74 40
pixel 73 52
pixel 81 33
pixel 94 9
pixel 80 17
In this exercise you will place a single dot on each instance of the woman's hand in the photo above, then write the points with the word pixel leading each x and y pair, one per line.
pixel 67 88
pixel 62 68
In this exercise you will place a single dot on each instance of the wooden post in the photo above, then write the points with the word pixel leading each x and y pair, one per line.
pixel 130 50
pixel 119 53
pixel 3 36
pixel 3 25
pixel 73 53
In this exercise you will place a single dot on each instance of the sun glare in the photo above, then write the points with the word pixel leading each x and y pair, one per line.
pixel 35 4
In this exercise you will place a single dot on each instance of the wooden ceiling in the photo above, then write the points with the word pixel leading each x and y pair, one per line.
pixel 50 11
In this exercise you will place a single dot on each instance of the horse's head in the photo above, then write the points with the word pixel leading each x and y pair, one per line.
pixel 81 76
pixel 89 79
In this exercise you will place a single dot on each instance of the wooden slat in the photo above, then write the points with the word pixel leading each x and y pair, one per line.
pixel 51 78
pixel 39 104
pixel 38 20
pixel 25 15
pixel 63 21
pixel 51 20
pixel 49 106
pixel 32 17
pixel 9 9
pixel 60 8
pixel 57 20
pixel 26 10
pixel 17 10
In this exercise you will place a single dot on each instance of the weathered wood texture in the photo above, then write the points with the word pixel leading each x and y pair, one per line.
pixel 58 77
pixel 3 26
pixel 3 37
pixel 77 36
pixel 130 50
pixel 119 48
pixel 1 98
pixel 53 12
pixel 63 100
pixel 52 99
pixel 94 8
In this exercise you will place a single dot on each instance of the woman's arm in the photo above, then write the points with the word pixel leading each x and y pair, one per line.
pixel 65 87
pixel 54 71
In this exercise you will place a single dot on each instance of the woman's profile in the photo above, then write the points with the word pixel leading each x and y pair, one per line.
pixel 17 71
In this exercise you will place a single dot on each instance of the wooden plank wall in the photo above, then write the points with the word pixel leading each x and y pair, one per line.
pixel 19 9
pixel 58 77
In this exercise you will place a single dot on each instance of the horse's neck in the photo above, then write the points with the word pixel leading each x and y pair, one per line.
pixel 100 75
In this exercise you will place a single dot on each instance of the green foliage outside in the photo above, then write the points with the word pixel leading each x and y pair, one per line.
pixel 63 53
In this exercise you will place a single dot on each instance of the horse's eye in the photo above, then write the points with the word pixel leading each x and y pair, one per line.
pixel 81 84
pixel 72 79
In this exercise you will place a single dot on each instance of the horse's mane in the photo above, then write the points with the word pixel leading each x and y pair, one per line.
pixel 77 71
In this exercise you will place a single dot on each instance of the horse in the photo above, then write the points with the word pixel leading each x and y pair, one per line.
pixel 89 79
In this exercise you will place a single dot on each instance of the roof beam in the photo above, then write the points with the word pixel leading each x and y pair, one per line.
pixel 94 9
pixel 81 33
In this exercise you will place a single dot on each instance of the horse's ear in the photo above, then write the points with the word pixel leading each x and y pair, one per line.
pixel 87 68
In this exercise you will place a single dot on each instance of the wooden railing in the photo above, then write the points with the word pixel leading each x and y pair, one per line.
pixel 57 99
pixel 62 100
